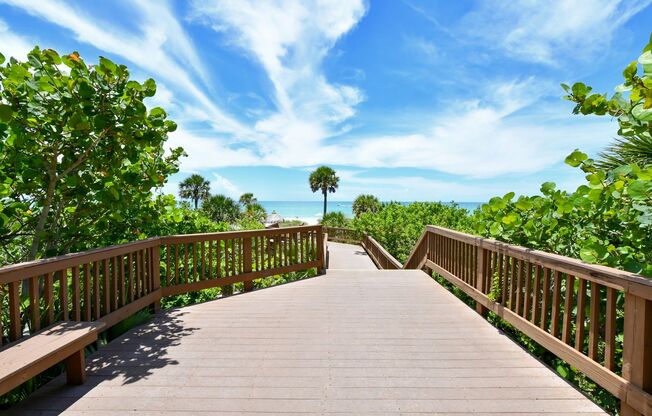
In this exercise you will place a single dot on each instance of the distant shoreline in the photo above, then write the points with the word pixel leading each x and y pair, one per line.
pixel 310 212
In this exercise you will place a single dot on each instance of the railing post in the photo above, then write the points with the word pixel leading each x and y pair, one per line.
pixel 637 347
pixel 156 274
pixel 480 278
pixel 321 251
pixel 246 259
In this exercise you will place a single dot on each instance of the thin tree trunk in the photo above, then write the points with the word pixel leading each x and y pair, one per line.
pixel 40 226
pixel 325 197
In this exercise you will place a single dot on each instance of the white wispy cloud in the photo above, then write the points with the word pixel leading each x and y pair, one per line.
pixel 222 185
pixel 12 44
pixel 549 31
pixel 290 40
pixel 160 47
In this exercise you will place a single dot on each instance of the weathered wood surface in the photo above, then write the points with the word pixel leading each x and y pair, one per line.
pixel 62 342
pixel 349 256
pixel 348 342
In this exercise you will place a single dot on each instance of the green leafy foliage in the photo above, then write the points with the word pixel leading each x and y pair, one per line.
pixel 247 199
pixel 365 203
pixel 398 227
pixel 335 219
pixel 221 208
pixel 324 179
pixel 80 155
pixel 631 105
pixel 195 188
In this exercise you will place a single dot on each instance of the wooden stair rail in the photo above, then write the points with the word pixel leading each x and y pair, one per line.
pixel 529 289
pixel 379 255
pixel 109 284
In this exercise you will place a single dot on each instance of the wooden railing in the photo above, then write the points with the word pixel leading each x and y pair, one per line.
pixel 379 255
pixel 112 283
pixel 597 319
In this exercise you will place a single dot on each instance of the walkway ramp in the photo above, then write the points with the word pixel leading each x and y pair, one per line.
pixel 348 342
pixel 348 256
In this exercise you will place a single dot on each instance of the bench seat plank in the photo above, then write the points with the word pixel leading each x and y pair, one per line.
pixel 32 355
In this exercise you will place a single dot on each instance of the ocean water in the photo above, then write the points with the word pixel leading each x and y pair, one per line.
pixel 311 211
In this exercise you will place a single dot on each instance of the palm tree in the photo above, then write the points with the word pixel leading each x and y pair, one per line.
pixel 255 211
pixel 324 179
pixel 220 208
pixel 247 199
pixel 196 188
pixel 626 150
pixel 365 203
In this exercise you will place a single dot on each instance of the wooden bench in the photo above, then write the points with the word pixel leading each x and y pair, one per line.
pixel 32 355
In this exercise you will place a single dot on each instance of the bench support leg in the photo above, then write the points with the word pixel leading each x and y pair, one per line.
pixel 76 368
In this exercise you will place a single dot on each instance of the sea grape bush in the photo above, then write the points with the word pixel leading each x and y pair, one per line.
pixel 80 155
pixel 397 227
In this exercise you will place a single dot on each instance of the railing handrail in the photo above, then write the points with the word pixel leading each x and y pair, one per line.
pixel 225 235
pixel 504 278
pixel 378 253
pixel 608 276
pixel 14 272
pixel 110 283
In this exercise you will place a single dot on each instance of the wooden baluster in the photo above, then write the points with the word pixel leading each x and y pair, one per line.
pixel 122 280
pixel 579 324
pixel 115 296
pixel 536 301
pixel 545 303
pixel 637 348
pixel 139 271
pixel 87 292
pixel 556 304
pixel 594 321
pixel 48 296
pixel 195 272
pixel 218 259
pixel 528 291
pixel 176 264
pixel 75 294
pixel 106 290
pixel 168 265
pixel 519 288
pixel 34 307
pixel 568 309
pixel 233 257
pixel 481 271
pixel 130 277
pixel 156 275
pixel 512 285
pixel 96 290
pixel 185 262
pixel 63 293
pixel 15 324
pixel 499 278
pixel 610 330
pixel 147 275
pixel 321 255
pixel 247 247
pixel 203 260
pixel 210 259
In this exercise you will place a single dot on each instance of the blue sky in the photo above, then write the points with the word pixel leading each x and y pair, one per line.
pixel 408 100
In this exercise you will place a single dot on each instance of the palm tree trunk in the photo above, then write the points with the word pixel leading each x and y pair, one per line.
pixel 325 197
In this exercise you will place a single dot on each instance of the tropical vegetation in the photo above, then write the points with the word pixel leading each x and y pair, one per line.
pixel 365 203
pixel 196 188
pixel 335 219
pixel 324 179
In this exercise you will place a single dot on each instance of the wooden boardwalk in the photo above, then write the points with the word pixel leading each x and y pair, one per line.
pixel 348 342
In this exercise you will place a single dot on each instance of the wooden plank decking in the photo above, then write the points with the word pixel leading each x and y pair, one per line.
pixel 348 342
